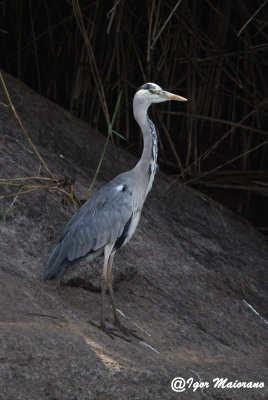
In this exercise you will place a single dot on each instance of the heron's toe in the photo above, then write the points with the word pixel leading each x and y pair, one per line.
pixel 111 332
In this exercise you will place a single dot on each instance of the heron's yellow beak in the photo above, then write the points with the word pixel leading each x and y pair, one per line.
pixel 172 96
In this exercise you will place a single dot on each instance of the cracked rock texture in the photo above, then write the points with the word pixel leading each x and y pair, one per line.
pixel 186 279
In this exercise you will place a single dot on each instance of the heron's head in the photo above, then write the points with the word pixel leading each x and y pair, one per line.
pixel 151 93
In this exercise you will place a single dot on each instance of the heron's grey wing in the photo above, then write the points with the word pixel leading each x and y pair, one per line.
pixel 93 232
pixel 100 221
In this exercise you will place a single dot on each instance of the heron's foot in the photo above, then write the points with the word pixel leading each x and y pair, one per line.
pixel 127 331
pixel 111 332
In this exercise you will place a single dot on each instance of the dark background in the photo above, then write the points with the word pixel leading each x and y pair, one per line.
pixel 80 54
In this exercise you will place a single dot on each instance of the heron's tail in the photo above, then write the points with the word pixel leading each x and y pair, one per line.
pixel 59 260
pixel 57 264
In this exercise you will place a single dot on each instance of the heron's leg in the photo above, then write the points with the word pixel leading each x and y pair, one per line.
pixel 103 284
pixel 109 331
pixel 106 280
pixel 110 286
pixel 117 322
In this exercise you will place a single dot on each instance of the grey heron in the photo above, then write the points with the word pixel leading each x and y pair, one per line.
pixel 109 218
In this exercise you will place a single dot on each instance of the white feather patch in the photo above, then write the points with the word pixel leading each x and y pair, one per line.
pixel 120 188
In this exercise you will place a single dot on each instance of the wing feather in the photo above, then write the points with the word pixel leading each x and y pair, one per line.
pixel 100 221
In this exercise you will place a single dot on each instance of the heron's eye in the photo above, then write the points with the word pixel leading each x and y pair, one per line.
pixel 153 91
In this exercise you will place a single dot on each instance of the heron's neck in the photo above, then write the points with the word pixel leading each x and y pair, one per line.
pixel 147 163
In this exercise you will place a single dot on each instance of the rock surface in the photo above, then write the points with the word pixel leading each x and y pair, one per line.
pixel 187 280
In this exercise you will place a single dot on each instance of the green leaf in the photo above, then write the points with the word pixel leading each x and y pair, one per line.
pixel 110 131
pixel 119 135
pixel 116 109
